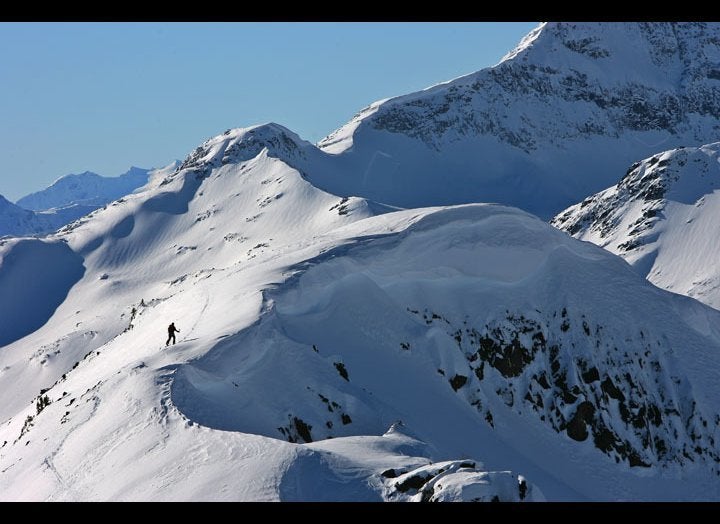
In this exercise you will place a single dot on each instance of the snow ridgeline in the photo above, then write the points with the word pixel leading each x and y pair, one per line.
pixel 88 189
pixel 497 335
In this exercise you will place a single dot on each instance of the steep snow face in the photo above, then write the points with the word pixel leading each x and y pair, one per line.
pixel 35 278
pixel 662 217
pixel 87 189
pixel 546 127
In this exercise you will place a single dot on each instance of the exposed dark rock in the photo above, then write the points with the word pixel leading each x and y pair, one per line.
pixel 612 391
pixel 341 369
pixel 458 381
pixel 414 482
pixel 591 375
pixel 489 419
pixel 303 429
pixel 577 427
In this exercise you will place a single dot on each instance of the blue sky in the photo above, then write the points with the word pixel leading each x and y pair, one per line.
pixel 101 97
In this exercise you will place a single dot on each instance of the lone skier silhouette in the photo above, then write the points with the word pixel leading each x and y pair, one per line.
pixel 171 333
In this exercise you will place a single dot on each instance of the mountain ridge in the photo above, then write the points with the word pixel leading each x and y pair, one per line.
pixel 660 217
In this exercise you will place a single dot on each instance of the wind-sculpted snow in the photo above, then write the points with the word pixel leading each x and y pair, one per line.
pixel 395 326
pixel 662 218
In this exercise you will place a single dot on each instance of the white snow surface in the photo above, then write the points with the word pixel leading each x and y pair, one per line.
pixel 332 348
pixel 662 217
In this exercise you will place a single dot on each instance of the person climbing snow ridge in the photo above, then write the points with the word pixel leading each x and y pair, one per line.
pixel 171 333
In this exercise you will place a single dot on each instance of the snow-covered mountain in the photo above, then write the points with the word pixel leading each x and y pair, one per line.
pixel 521 363
pixel 662 217
pixel 552 123
pixel 87 189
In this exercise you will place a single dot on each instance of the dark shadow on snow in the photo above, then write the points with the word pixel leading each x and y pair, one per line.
pixel 31 288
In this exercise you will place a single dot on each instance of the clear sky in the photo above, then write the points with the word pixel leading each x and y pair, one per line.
pixel 101 97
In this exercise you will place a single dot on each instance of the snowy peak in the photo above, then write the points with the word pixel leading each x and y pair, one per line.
pixel 662 53
pixel 242 144
pixel 680 175
pixel 662 218
pixel 67 199
pixel 610 65
pixel 5 203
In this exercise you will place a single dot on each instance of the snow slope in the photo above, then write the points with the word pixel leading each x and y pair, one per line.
pixel 304 316
pixel 662 217
pixel 89 189
pixel 550 124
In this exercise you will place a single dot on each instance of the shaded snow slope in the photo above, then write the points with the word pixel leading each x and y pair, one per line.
pixel 546 127
pixel 35 278
pixel 305 316
pixel 662 217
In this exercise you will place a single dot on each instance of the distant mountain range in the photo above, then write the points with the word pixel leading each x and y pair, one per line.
pixel 67 199
pixel 86 188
